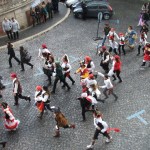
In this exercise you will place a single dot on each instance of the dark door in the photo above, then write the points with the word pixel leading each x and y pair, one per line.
pixel 92 10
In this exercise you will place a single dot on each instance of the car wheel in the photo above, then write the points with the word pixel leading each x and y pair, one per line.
pixel 106 16
pixel 79 15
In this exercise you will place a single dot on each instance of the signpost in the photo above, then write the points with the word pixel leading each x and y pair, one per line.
pixel 100 15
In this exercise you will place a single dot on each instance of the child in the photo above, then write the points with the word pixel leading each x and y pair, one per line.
pixel 121 43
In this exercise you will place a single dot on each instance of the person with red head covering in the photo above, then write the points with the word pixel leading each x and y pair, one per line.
pixel 113 44
pixel 146 55
pixel 121 43
pixel 66 68
pixel 44 52
pixel 10 122
pixel 17 89
pixel 89 64
pixel 105 59
pixel 117 68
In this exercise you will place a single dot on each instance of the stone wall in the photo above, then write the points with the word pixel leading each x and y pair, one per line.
pixel 19 13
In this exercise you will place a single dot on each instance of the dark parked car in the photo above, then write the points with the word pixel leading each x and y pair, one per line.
pixel 85 1
pixel 93 8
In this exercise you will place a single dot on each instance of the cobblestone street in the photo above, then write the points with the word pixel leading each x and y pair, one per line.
pixel 74 37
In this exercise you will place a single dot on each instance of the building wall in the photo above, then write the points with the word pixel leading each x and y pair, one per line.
pixel 19 14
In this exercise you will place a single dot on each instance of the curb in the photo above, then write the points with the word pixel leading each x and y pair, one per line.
pixel 40 33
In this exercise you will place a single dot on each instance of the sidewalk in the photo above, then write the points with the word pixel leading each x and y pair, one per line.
pixel 32 31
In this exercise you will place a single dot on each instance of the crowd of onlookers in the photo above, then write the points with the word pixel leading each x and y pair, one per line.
pixel 43 11
pixel 39 15
pixel 145 14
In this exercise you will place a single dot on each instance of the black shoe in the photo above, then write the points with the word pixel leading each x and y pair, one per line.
pixel 22 70
pixel 100 100
pixel 32 67
pixel 138 54
pixel 69 88
pixel 116 98
pixel 114 79
pixel 52 92
pixel 120 81
pixel 3 144
pixel 18 63
pixel 1 96
pixel 29 99
pixel 10 66
pixel 63 86
pixel 73 82
pixel 15 104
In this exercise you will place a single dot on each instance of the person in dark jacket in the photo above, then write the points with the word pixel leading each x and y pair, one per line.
pixel 145 18
pixel 49 8
pixel 11 54
pixel 106 31
pixel 25 58
pixel 38 14
pixel 59 76
pixel 84 8
pixel 3 144
pixel 44 12
pixel 33 15
pixel 55 5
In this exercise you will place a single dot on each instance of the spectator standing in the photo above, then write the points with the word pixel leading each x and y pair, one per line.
pixel 7 26
pixel 106 31
pixel 145 18
pixel 44 12
pixel 49 8
pixel 25 58
pixel 33 15
pixel 11 54
pixel 15 28
pixel 38 14
pixel 55 5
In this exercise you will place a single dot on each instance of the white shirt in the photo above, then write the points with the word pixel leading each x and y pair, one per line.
pixel 45 50
pixel 66 65
pixel 6 25
pixel 37 98
pixel 15 90
pixel 92 67
pixel 89 82
pixel 113 33
pixel 104 124
pixel 107 82
pixel 15 26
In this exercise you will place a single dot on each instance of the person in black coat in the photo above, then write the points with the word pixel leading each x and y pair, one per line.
pixel 11 54
pixel 25 58
pixel 49 8
pixel 59 76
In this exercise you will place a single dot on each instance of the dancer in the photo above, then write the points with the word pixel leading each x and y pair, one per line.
pixel 142 42
pixel 44 51
pixel 87 103
pixel 48 68
pixel 121 43
pixel 25 58
pixel 108 86
pixel 146 57
pixel 11 54
pixel 101 127
pixel 61 121
pixel 130 37
pixel 10 122
pixel 84 73
pixel 17 89
pixel 105 59
pixel 58 73
pixel 89 64
pixel 113 44
pixel 117 68
pixel 66 69
pixel 42 100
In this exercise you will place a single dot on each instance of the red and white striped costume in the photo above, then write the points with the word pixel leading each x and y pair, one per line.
pixel 10 122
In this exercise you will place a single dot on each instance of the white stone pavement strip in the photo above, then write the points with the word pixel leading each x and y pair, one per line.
pixel 40 33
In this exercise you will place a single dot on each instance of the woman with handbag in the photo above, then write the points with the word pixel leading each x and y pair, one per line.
pixel 25 58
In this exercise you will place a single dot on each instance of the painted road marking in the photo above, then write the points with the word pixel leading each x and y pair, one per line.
pixel 137 115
